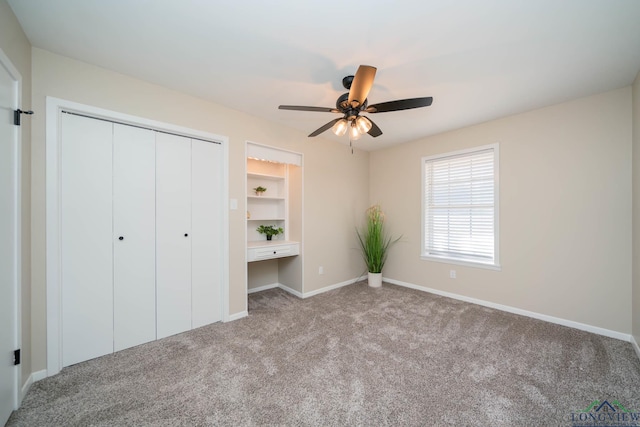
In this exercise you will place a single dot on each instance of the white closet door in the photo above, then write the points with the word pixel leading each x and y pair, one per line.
pixel 134 226
pixel 206 242
pixel 173 234
pixel 86 233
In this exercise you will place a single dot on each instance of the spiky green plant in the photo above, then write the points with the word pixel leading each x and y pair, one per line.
pixel 374 241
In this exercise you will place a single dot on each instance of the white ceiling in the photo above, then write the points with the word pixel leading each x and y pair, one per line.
pixel 479 59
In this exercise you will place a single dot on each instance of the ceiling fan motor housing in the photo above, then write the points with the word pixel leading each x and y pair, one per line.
pixel 342 104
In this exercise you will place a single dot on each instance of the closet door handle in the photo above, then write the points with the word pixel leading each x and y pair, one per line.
pixel 186 234
pixel 121 238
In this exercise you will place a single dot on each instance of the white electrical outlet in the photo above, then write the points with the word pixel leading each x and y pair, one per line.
pixel 321 270
pixel 452 274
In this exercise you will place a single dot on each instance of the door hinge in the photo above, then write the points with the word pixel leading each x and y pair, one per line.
pixel 16 357
pixel 16 115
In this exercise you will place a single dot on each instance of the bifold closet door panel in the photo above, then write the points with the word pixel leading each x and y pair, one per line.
pixel 86 238
pixel 206 243
pixel 134 226
pixel 173 234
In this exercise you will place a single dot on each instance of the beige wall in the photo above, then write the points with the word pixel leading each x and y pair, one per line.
pixel 636 210
pixel 15 45
pixel 330 201
pixel 565 211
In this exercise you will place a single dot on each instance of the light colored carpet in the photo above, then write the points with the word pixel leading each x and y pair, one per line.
pixel 352 356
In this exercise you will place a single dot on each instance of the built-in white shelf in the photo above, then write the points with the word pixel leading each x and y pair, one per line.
pixel 265 176
pixel 271 207
pixel 264 198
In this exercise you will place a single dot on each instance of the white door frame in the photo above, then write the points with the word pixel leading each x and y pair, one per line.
pixel 6 63
pixel 54 108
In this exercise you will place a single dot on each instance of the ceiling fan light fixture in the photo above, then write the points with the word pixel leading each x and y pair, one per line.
pixel 354 133
pixel 340 128
pixel 363 124
pixel 354 102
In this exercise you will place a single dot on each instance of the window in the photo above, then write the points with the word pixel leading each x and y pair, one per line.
pixel 460 207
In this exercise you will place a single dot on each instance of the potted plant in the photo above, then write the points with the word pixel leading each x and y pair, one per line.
pixel 375 244
pixel 270 230
pixel 259 190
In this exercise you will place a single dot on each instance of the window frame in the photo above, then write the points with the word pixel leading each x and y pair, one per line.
pixel 424 254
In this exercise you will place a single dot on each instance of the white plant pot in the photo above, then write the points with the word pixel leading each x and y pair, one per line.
pixel 375 280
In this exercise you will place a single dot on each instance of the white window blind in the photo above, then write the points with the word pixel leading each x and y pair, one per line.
pixel 460 206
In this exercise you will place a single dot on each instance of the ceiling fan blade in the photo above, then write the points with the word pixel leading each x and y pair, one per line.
pixel 375 130
pixel 361 85
pixel 303 108
pixel 325 127
pixel 401 104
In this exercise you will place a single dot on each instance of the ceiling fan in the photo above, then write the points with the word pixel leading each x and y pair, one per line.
pixel 354 102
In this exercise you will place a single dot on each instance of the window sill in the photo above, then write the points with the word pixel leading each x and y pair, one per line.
pixel 456 261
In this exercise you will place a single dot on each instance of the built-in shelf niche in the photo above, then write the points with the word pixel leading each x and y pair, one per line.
pixel 270 208
pixel 279 261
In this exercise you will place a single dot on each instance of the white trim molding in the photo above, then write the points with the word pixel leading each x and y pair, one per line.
pixel 16 285
pixel 237 316
pixel 334 286
pixel 26 386
pixel 263 288
pixel 290 290
pixel 551 319
pixel 39 375
pixel 54 106
pixel 34 377
pixel 635 345
pixel 278 286
pixel 307 294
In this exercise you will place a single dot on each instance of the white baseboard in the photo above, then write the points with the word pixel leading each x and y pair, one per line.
pixel 634 343
pixel 34 377
pixel 332 287
pixel 291 291
pixel 263 288
pixel 25 388
pixel 237 316
pixel 274 286
pixel 39 375
pixel 307 294
pixel 514 310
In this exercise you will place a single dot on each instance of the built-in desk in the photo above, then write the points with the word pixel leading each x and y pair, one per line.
pixel 262 250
